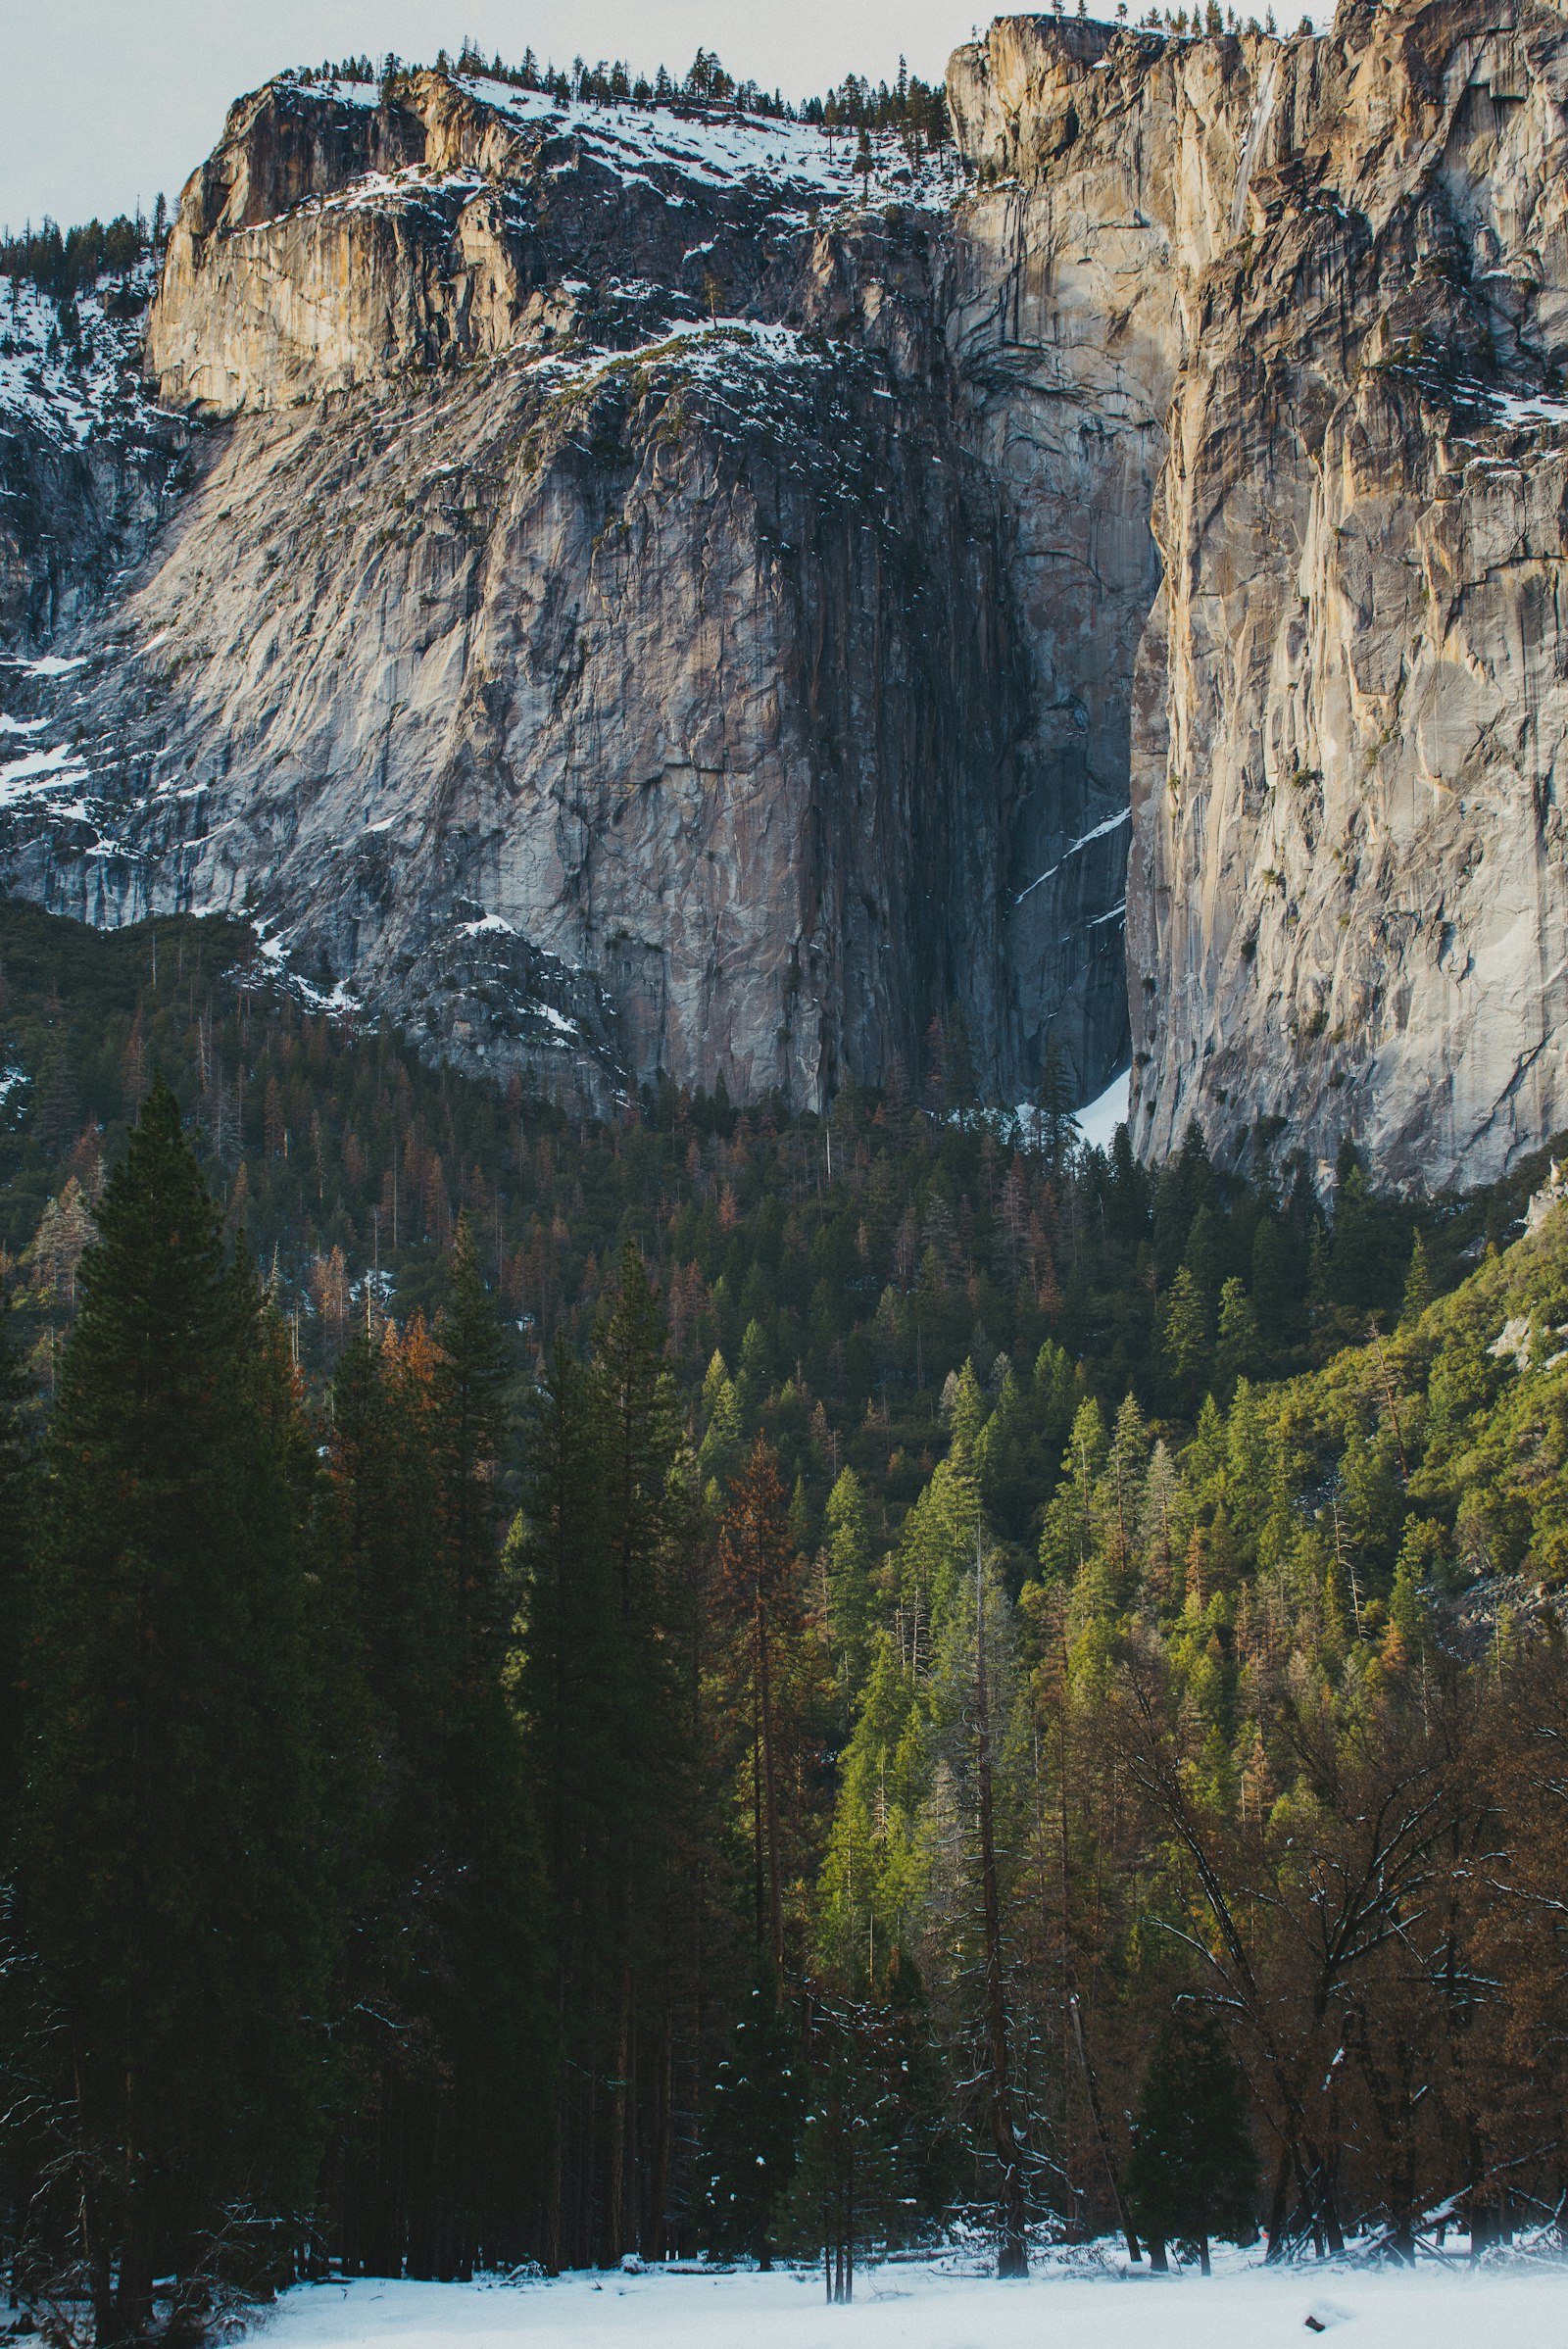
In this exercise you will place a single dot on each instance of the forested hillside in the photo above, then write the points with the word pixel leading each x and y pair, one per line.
pixel 719 1683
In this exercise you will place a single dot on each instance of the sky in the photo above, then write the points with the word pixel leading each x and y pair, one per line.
pixel 103 102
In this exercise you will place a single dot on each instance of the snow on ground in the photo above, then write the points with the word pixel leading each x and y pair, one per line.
pixel 366 94
pixel 1096 1121
pixel 1245 2306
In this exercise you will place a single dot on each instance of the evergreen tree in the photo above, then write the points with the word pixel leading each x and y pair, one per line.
pixel 605 1679
pixel 960 1083
pixel 847 1565
pixel 1053 1129
pixel 443 2033
pixel 469 1390
pixel 1418 1287
pixel 169 1881
pixel 1237 1355
pixel 753 2123
pixel 758 1573
pixel 1184 1339
pixel 1191 2173
pixel 845 2197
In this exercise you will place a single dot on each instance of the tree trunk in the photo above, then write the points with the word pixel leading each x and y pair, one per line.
pixel 615 2198
pixel 659 2183
pixel 1012 2248
pixel 775 1897
pixel 1092 2086
pixel 760 1878
pixel 1276 2209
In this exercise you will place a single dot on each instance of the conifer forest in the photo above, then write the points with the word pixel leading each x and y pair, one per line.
pixel 719 1684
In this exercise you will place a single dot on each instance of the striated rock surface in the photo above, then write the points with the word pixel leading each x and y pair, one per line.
pixel 1107 167
pixel 589 640
pixel 1349 896
pixel 1314 294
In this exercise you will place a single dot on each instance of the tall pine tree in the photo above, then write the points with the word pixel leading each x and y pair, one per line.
pixel 607 1687
pixel 168 1884
pixel 447 2038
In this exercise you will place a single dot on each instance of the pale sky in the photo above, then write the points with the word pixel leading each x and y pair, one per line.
pixel 105 101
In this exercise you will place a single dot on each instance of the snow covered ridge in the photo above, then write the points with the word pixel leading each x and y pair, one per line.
pixel 72 392
pixel 710 151
pixel 717 148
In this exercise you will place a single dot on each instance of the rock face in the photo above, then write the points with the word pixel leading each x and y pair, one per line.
pixel 1349 897
pixel 594 638
pixel 651 602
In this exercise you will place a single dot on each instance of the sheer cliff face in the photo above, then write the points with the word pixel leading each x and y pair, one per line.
pixel 1348 895
pixel 650 601
pixel 593 639
pixel 1107 174
pixel 1304 307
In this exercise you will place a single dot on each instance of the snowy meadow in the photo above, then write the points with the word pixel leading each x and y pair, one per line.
pixel 1244 2305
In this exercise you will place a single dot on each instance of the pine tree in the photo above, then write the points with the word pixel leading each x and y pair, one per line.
pixel 757 1568
pixel 1184 1339
pixel 444 2030
pixel 469 1390
pixel 605 1679
pixel 1053 1128
pixel 846 1558
pixel 1237 1355
pixel 959 1080
pixel 845 2194
pixel 753 2123
pixel 168 1884
pixel 1418 1285
pixel 1191 2173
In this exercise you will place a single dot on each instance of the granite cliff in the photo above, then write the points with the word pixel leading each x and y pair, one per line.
pixel 594 636
pixel 648 599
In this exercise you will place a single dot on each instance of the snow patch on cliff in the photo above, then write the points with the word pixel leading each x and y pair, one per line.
pixel 1096 1121
pixel 699 347
pixel 72 391
pixel 40 772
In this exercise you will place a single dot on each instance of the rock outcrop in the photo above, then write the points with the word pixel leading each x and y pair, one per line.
pixel 651 600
